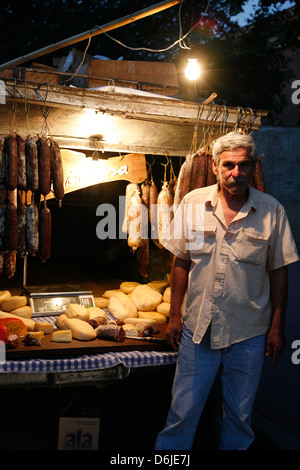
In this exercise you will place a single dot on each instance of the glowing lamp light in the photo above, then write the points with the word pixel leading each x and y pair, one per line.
pixel 192 71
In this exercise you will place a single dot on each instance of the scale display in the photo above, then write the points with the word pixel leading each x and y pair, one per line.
pixel 54 299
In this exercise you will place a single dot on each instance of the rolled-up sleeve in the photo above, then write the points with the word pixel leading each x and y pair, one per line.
pixel 283 250
pixel 175 237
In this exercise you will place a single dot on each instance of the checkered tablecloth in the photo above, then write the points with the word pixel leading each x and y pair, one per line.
pixel 88 362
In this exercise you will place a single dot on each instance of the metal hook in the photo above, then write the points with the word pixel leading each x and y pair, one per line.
pixel 25 99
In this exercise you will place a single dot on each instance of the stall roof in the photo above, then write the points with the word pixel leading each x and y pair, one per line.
pixel 112 121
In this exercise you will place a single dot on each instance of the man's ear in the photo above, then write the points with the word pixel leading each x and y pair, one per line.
pixel 214 168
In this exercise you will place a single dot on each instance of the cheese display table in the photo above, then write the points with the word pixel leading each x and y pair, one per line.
pixel 90 361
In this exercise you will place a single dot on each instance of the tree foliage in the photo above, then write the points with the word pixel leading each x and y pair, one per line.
pixel 245 66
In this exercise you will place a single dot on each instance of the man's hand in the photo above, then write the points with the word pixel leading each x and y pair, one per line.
pixel 275 344
pixel 173 332
pixel 279 287
pixel 179 280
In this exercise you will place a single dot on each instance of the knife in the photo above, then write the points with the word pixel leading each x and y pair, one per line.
pixel 151 339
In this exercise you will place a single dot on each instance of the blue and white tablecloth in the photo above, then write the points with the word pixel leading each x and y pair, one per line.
pixel 88 362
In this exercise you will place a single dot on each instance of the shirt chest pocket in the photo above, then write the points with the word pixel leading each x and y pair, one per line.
pixel 250 247
pixel 202 240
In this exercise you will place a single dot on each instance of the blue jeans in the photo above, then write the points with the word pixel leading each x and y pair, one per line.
pixel 197 367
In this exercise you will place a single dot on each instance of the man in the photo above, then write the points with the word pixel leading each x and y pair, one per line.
pixel 229 283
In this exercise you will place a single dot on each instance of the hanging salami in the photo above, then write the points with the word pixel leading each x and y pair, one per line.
pixel 44 157
pixel 56 172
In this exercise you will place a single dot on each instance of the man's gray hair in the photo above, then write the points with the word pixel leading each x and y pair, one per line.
pixel 233 141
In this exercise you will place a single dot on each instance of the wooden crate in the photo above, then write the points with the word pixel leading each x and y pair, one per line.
pixel 41 77
pixel 148 75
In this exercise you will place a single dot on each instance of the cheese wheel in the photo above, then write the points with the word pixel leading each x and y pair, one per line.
pixel 77 311
pixel 153 316
pixel 80 329
pixel 28 322
pixel 4 295
pixel 141 323
pixel 145 298
pixel 167 295
pixel 23 311
pixel 96 312
pixel 14 302
pixel 108 293
pixel 101 302
pixel 160 286
pixel 127 287
pixel 61 321
pixel 164 308
pixel 121 306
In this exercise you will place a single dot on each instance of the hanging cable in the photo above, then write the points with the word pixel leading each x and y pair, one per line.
pixel 179 41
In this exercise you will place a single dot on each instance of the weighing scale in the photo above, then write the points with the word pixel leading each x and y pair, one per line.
pixel 54 299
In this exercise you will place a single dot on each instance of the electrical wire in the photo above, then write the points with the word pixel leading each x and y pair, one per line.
pixel 179 41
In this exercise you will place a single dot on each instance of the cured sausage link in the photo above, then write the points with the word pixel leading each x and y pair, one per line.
pixel 44 233
pixel 56 172
pixel 11 157
pixel 11 227
pixel 21 163
pixel 32 229
pixel 32 172
pixel 44 166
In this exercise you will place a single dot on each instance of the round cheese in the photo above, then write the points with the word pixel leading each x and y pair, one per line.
pixel 153 316
pixel 164 308
pixel 167 295
pixel 4 295
pixel 127 287
pixel 121 306
pixel 145 298
pixel 141 323
pixel 14 302
pixel 108 293
pixel 101 302
pixel 158 285
pixel 96 312
pixel 77 311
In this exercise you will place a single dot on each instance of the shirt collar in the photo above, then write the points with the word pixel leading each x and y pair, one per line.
pixel 251 202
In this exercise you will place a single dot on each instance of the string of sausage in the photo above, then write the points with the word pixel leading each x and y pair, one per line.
pixel 27 166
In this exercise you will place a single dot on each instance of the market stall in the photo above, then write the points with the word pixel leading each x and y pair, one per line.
pixel 82 138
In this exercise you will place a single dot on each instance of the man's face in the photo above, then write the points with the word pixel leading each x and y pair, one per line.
pixel 235 170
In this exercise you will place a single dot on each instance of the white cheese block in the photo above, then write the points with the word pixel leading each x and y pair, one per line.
pixel 130 330
pixel 62 336
pixel 47 328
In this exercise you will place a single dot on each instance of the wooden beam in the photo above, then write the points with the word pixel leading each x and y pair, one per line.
pixel 92 32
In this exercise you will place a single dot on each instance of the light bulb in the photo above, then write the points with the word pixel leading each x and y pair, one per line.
pixel 192 71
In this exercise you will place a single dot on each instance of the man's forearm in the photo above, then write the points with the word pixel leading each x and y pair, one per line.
pixel 279 290
pixel 179 281
pixel 276 339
